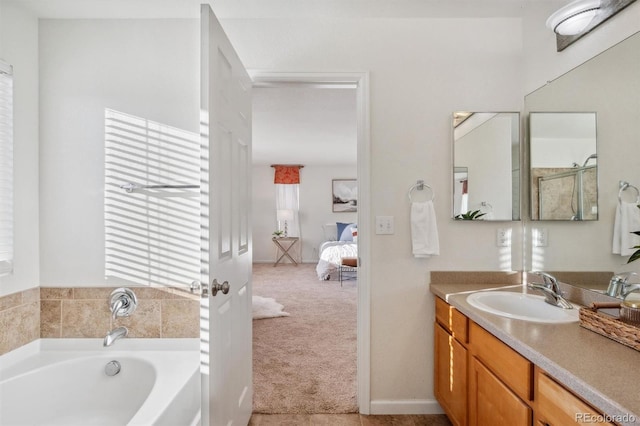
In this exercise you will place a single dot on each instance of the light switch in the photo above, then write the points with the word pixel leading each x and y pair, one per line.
pixel 384 225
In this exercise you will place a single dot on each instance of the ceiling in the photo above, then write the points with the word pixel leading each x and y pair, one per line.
pixel 235 9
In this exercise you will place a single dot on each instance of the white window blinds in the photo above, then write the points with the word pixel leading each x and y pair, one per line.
pixel 6 168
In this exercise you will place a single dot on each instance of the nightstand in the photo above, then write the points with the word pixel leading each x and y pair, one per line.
pixel 284 246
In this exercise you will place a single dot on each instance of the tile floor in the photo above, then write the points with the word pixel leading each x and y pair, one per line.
pixel 346 420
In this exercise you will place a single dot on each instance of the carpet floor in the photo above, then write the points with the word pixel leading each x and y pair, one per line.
pixel 304 363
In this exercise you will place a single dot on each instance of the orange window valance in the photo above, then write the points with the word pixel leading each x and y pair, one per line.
pixel 287 174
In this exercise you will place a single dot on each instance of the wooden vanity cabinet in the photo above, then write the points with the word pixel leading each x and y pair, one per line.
pixel 480 380
pixel 557 406
pixel 450 362
pixel 500 382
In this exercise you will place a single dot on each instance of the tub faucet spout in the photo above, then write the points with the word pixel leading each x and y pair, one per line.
pixel 115 334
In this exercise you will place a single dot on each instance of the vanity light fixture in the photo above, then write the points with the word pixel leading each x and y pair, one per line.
pixel 573 18
pixel 579 17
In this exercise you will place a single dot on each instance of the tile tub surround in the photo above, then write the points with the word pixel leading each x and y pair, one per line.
pixel 599 370
pixel 19 319
pixel 85 313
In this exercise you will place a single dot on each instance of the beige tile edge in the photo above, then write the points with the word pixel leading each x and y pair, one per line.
pixel 476 277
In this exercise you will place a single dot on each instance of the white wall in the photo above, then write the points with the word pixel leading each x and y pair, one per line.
pixel 146 68
pixel 19 47
pixel 420 72
pixel 315 208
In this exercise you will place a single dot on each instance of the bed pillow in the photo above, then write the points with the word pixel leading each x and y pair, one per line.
pixel 330 232
pixel 345 231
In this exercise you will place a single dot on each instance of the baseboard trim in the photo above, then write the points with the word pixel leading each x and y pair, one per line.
pixel 408 406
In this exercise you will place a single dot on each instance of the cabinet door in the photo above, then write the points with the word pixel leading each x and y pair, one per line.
pixel 559 407
pixel 451 376
pixel 491 402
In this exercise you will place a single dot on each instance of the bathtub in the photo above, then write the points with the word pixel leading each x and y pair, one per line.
pixel 62 382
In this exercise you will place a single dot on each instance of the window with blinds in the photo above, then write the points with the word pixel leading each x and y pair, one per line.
pixel 6 168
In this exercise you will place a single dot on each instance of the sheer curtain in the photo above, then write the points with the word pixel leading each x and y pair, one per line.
pixel 287 181
pixel 287 196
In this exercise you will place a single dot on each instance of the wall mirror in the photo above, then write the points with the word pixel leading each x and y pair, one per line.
pixel 486 166
pixel 563 166
pixel 609 86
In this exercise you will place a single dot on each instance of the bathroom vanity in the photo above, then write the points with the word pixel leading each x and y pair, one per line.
pixel 491 369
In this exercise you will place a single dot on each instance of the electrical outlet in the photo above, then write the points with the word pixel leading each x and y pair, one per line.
pixel 384 225
pixel 503 237
pixel 540 237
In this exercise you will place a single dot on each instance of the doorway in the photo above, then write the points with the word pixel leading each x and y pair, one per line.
pixel 359 83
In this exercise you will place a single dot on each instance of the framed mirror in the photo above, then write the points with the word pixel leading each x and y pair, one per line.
pixel 486 166
pixel 563 166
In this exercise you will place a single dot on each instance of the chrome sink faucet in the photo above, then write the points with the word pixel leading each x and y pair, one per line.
pixel 551 290
pixel 619 287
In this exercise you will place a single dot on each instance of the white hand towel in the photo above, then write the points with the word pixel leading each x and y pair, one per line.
pixel 424 230
pixel 627 221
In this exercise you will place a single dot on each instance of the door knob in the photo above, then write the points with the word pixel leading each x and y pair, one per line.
pixel 196 287
pixel 216 287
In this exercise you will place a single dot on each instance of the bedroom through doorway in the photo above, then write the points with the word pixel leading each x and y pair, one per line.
pixel 305 353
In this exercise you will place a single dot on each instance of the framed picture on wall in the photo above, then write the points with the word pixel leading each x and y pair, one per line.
pixel 345 195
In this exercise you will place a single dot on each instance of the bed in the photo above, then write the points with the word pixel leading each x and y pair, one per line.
pixel 341 241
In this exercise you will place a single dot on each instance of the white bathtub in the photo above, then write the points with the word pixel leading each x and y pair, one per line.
pixel 62 382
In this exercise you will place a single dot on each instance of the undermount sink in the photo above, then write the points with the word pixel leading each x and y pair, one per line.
pixel 527 307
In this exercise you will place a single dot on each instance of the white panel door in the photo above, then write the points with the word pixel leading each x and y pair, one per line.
pixel 226 146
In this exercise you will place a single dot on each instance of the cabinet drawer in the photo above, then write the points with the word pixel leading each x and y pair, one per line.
pixel 557 406
pixel 452 320
pixel 508 365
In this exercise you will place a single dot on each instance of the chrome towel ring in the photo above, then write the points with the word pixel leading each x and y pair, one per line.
pixel 623 187
pixel 420 185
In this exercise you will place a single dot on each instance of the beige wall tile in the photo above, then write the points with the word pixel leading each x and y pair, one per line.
pixel 85 318
pixel 51 293
pixel 180 318
pixel 19 325
pixel 84 312
pixel 19 320
pixel 102 293
pixel 145 320
pixel 154 293
pixel 6 331
pixel 50 318
pixel 10 301
pixel 31 295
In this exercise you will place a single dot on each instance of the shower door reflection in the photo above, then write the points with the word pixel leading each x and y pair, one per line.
pixel 564 166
